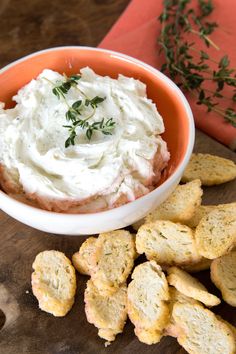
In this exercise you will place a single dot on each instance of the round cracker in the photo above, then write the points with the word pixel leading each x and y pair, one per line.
pixel 216 233
pixel 82 259
pixel 223 275
pixel 107 313
pixel 210 169
pixel 181 204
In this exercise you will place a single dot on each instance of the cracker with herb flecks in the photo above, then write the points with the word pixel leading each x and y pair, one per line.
pixel 176 297
pixel 181 204
pixel 167 243
pixel 82 259
pixel 53 282
pixel 112 260
pixel 200 331
pixel 190 286
pixel 223 275
pixel 107 313
pixel 216 233
pixel 147 304
pixel 210 169
pixel 202 211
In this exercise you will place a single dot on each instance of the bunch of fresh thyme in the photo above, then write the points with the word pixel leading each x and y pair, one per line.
pixel 188 66
pixel 74 112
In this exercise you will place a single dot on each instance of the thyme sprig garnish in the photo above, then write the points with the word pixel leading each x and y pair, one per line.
pixel 103 126
pixel 75 111
pixel 189 67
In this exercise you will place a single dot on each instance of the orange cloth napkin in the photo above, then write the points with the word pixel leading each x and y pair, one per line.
pixel 136 32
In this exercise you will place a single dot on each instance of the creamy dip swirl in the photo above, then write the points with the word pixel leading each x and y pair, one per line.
pixel 106 168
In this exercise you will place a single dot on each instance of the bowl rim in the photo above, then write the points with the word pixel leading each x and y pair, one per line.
pixel 165 185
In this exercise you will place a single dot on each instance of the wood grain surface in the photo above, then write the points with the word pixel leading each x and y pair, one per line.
pixel 27 26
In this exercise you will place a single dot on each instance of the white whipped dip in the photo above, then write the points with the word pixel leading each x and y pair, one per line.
pixel 32 140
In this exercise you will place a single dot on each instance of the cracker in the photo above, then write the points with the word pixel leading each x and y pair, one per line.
pixel 82 259
pixel 112 260
pixel 147 302
pixel 54 282
pixel 167 243
pixel 223 275
pixel 107 313
pixel 216 233
pixel 172 328
pixel 189 286
pixel 210 169
pixel 202 211
pixel 200 331
pixel 181 204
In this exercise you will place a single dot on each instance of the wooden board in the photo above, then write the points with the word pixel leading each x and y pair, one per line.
pixel 27 329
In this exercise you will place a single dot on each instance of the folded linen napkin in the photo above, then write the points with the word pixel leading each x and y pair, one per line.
pixel 135 34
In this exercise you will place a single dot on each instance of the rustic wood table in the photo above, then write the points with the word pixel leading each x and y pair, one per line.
pixel 28 26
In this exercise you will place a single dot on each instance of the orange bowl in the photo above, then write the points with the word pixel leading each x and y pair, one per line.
pixel 171 103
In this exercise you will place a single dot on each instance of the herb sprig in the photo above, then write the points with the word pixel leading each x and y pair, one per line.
pixel 75 111
pixel 189 67
pixel 103 126
pixel 63 88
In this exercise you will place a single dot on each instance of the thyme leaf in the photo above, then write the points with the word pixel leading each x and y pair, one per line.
pixel 94 101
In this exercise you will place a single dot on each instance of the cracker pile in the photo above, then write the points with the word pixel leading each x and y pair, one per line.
pixel 162 299
pixel 108 260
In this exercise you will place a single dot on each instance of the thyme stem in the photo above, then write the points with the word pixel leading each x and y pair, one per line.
pixel 178 22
